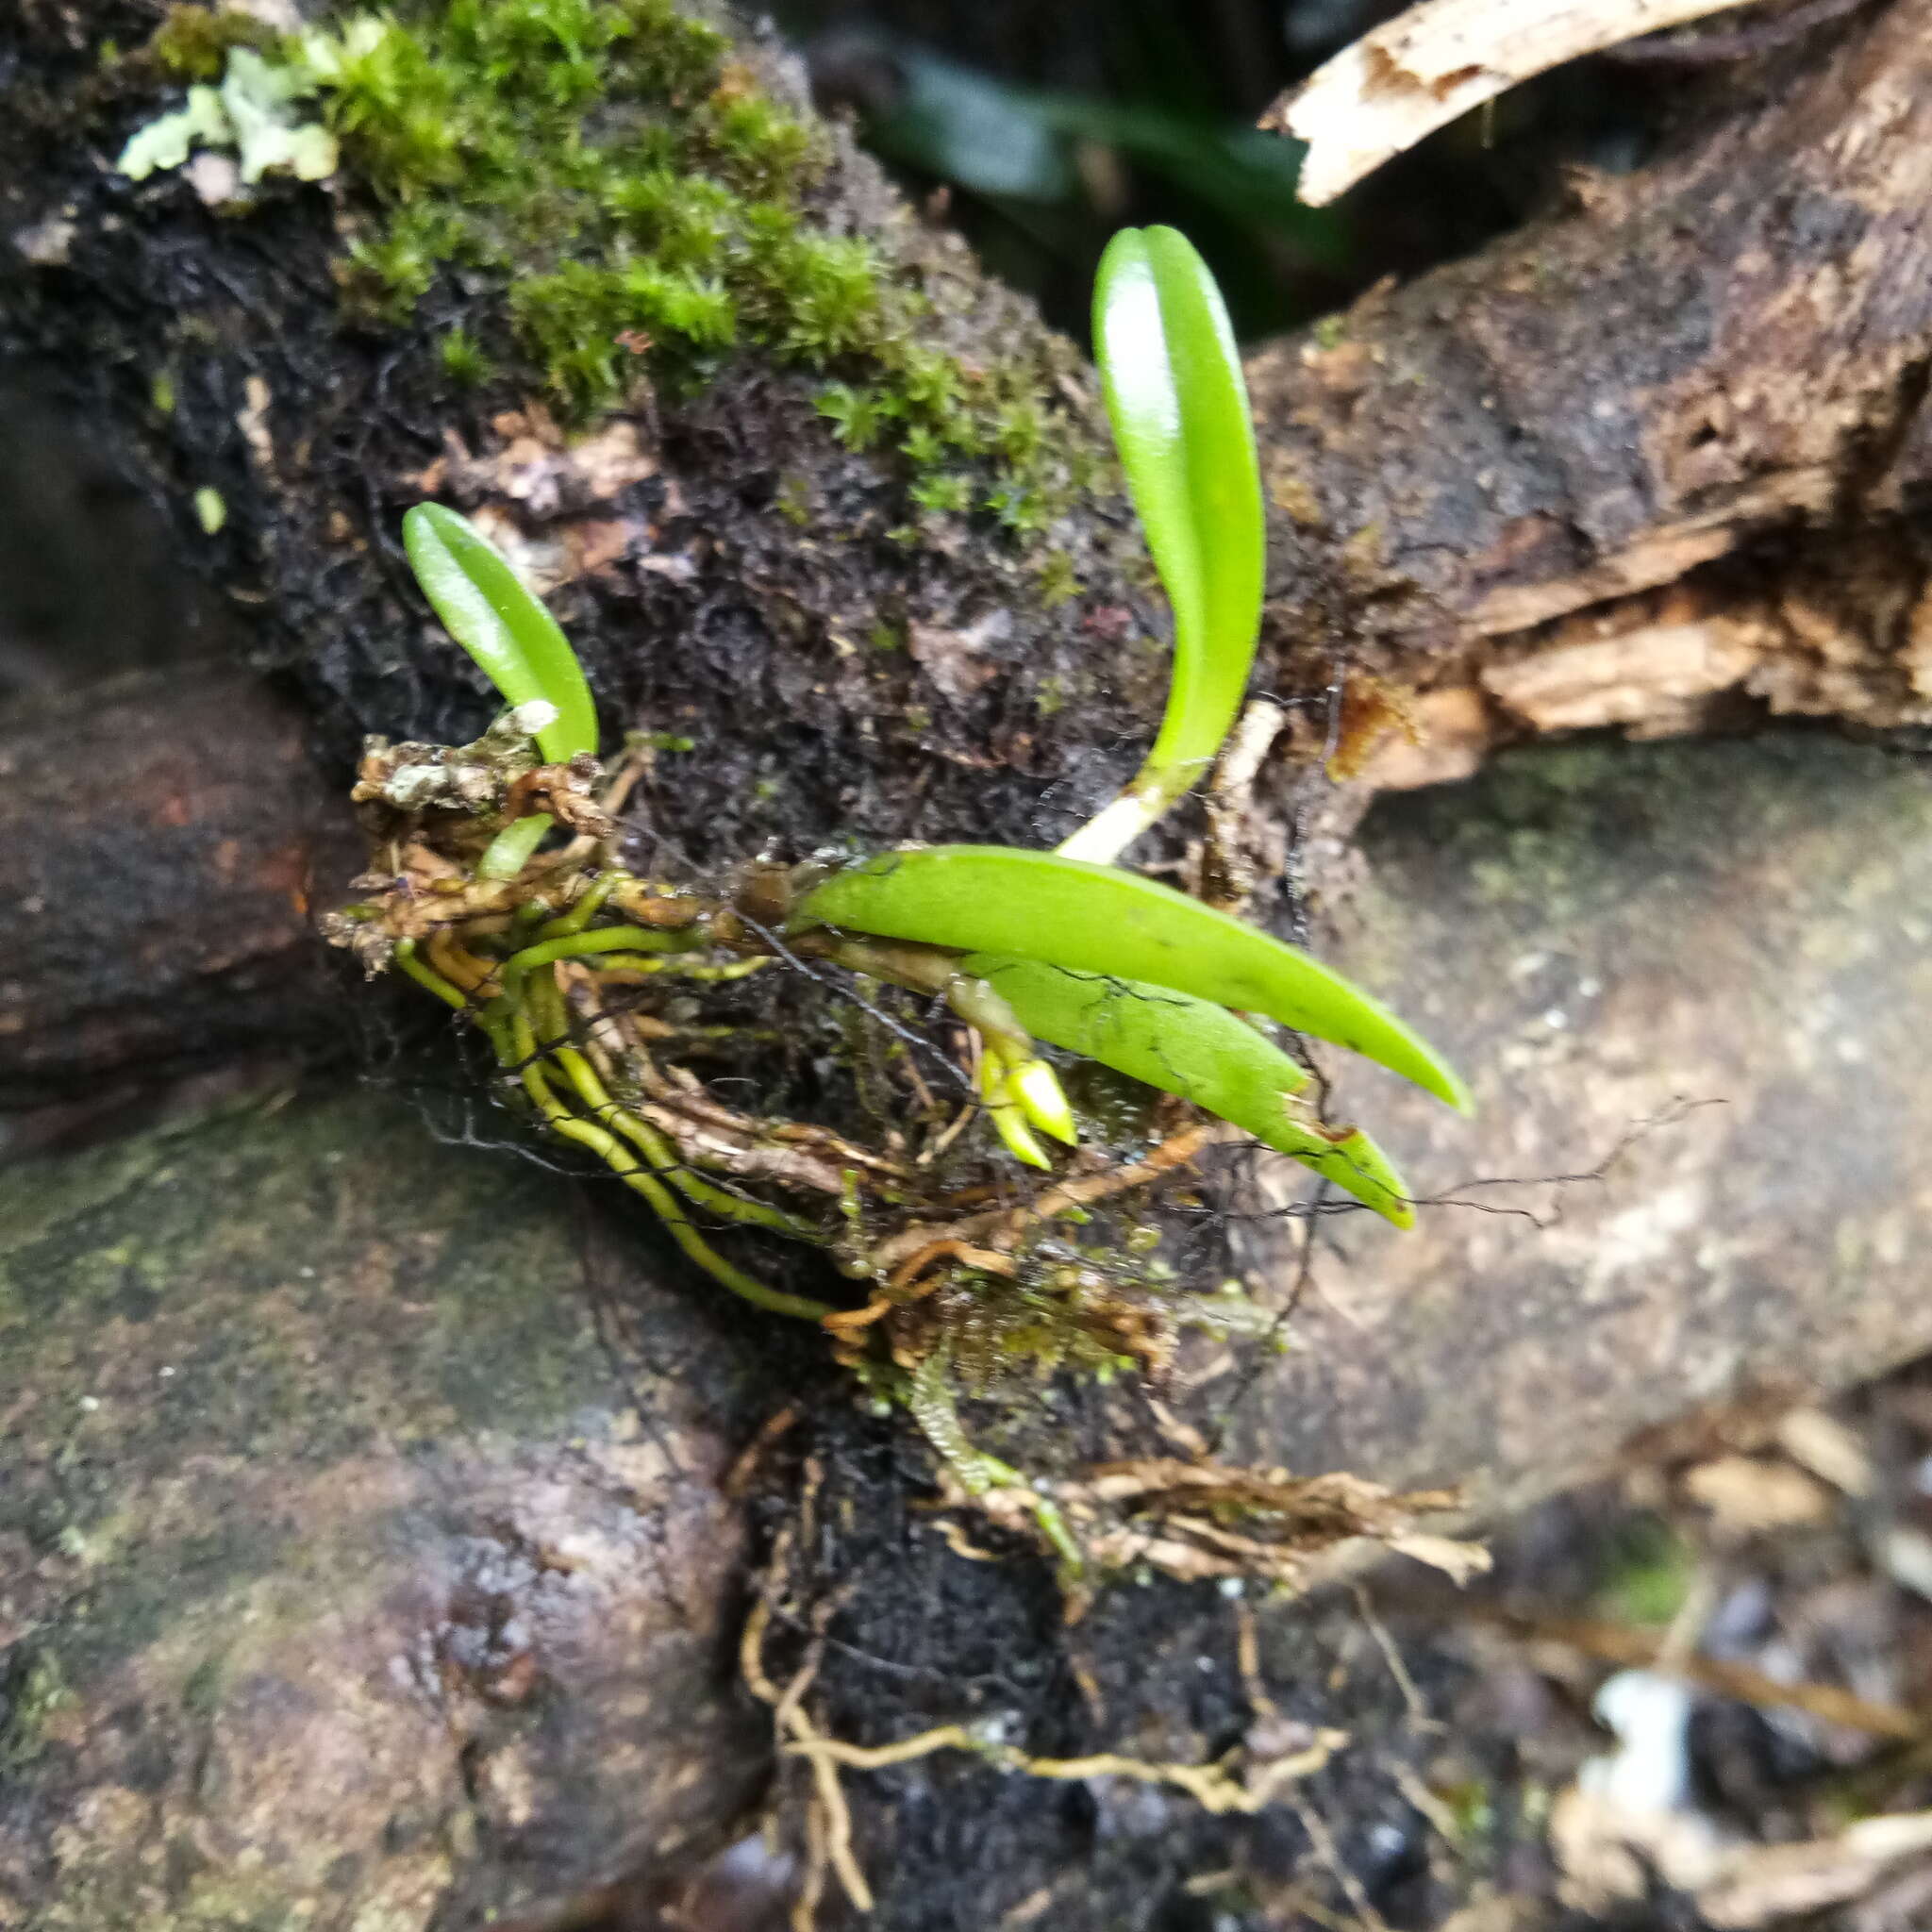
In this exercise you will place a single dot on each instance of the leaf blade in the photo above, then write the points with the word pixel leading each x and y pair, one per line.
pixel 1097 918
pixel 1199 1051
pixel 1171 375
pixel 496 617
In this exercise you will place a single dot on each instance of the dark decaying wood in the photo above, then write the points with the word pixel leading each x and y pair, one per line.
pixel 1660 453
pixel 168 842
pixel 364 1530
pixel 1651 463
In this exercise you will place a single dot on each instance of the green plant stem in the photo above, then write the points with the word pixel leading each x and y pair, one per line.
pixel 929 1397
pixel 428 978
pixel 606 939
pixel 547 1005
pixel 580 915
pixel 982 1008
pixel 1145 802
pixel 493 1017
pixel 638 962
pixel 664 1204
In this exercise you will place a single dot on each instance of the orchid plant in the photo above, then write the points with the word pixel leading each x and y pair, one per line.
pixel 530 939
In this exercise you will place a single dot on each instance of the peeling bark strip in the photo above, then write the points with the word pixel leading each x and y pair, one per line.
pixel 1426 68
pixel 1629 467
pixel 1711 373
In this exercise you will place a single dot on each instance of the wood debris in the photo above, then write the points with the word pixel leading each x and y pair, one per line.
pixel 1380 96
pixel 1201 1521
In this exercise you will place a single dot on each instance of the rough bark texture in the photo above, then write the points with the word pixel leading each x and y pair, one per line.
pixel 1711 373
pixel 1706 962
pixel 171 839
pixel 444 1517
pixel 417 1431
pixel 727 571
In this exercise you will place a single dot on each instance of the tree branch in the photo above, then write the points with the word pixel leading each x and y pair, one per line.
pixel 1711 373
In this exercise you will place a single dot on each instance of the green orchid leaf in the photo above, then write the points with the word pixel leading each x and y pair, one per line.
pixel 1197 1050
pixel 513 848
pixel 1172 377
pixel 1097 918
pixel 489 610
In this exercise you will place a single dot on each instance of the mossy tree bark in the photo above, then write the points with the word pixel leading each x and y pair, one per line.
pixel 340 1448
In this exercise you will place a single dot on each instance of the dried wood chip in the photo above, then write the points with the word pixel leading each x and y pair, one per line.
pixel 1380 96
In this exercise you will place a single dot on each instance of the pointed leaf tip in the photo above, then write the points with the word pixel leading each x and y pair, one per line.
pixel 1200 1051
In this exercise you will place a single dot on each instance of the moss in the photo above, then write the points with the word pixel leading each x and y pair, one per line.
pixel 36 1688
pixel 194 44
pixel 206 1686
pixel 630 203
pixel 1647 1574
pixel 1057 581
pixel 464 359
pixel 946 493
pixel 858 417
pixel 793 500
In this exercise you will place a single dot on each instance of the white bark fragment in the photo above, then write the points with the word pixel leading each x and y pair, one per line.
pixel 1422 69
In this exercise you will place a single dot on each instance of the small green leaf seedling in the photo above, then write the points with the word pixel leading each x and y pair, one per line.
pixel 516 643
pixel 1179 410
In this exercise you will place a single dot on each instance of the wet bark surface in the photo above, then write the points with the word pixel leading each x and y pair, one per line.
pixel 1690 976
pixel 364 1545
pixel 1708 375
pixel 370 1553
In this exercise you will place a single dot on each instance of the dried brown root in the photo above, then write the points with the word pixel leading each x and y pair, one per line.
pixel 1241 1783
pixel 828 1819
pixel 1003 1228
pixel 1204 1521
pixel 1274 1755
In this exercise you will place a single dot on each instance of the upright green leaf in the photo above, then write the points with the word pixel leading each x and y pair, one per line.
pixel 489 610
pixel 1198 1050
pixel 1097 918
pixel 1172 377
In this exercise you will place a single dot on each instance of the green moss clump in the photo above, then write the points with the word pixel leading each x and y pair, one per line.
pixel 643 204
pixel 464 359
pixel 1647 1574
pixel 1056 579
pixel 35 1689
pixel 194 44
